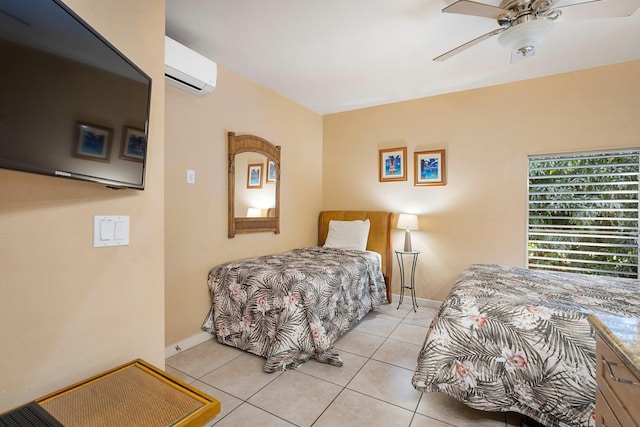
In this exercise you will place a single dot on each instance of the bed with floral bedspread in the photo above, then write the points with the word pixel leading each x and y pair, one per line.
pixel 513 339
pixel 292 306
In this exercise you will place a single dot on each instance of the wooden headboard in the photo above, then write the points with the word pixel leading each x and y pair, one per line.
pixel 379 235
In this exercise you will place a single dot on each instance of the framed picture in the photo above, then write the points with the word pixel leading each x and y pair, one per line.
pixel 271 172
pixel 133 144
pixel 429 167
pixel 393 164
pixel 254 175
pixel 93 142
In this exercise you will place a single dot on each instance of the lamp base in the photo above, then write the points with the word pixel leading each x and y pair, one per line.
pixel 407 241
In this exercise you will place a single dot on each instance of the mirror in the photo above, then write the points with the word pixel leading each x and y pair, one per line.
pixel 254 185
pixel 255 192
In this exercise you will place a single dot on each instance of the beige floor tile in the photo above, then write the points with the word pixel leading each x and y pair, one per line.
pixel 297 397
pixel 398 353
pixel 355 409
pixel 410 333
pixel 203 358
pixel 242 377
pixel 248 415
pixel 390 312
pixel 379 357
pixel 360 343
pixel 227 402
pixel 422 317
pixel 337 375
pixel 376 326
pixel 444 408
pixel 406 302
pixel 179 374
pixel 386 382
pixel 422 421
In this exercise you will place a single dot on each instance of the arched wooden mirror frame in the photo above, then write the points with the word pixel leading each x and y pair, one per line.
pixel 252 144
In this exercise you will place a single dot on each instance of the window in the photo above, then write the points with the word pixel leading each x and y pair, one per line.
pixel 583 213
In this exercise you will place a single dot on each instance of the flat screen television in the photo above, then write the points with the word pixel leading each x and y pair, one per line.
pixel 71 104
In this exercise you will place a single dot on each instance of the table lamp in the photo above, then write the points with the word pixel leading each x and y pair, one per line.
pixel 408 222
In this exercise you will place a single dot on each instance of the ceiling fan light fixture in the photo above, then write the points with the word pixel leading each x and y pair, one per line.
pixel 527 51
pixel 526 35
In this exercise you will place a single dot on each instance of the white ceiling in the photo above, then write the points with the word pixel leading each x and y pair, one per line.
pixel 338 55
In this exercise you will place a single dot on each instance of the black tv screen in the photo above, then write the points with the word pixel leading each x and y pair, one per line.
pixel 71 104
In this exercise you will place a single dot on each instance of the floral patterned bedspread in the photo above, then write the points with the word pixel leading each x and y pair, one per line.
pixel 292 306
pixel 513 339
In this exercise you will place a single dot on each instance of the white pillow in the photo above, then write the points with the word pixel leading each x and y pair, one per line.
pixel 348 234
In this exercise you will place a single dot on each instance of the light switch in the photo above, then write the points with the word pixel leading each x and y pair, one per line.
pixel 191 176
pixel 121 231
pixel 110 230
pixel 106 230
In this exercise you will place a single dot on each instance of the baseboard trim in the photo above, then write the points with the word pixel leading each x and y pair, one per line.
pixel 420 301
pixel 187 343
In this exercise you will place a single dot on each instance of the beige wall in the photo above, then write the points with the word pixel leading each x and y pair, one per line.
pixel 68 310
pixel 196 215
pixel 480 215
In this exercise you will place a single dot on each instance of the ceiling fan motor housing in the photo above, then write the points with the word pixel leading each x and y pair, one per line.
pixel 522 11
pixel 521 7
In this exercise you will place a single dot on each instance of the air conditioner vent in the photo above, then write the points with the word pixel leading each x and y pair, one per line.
pixel 187 69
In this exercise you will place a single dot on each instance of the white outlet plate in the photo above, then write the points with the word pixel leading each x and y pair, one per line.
pixel 191 176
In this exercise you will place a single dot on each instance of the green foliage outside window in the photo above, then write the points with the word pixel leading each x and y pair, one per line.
pixel 583 213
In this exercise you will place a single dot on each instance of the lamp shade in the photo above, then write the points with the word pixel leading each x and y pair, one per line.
pixel 254 212
pixel 408 221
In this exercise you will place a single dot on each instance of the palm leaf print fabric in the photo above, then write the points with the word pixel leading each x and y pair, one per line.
pixel 292 306
pixel 513 339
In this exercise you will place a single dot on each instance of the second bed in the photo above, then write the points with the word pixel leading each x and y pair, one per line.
pixel 292 306
pixel 513 339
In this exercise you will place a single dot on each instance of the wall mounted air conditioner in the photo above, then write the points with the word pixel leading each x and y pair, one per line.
pixel 187 69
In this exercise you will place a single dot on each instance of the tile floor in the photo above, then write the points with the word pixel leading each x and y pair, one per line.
pixel 372 389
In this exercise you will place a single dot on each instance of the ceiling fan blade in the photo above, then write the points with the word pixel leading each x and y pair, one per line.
pixel 468 7
pixel 467 45
pixel 597 8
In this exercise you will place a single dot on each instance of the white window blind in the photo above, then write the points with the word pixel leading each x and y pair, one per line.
pixel 583 213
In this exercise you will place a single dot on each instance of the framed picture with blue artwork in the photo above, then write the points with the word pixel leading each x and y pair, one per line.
pixel 271 172
pixel 133 144
pixel 254 175
pixel 92 142
pixel 393 164
pixel 429 168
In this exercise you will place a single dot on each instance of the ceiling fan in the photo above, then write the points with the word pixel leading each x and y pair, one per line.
pixel 524 24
